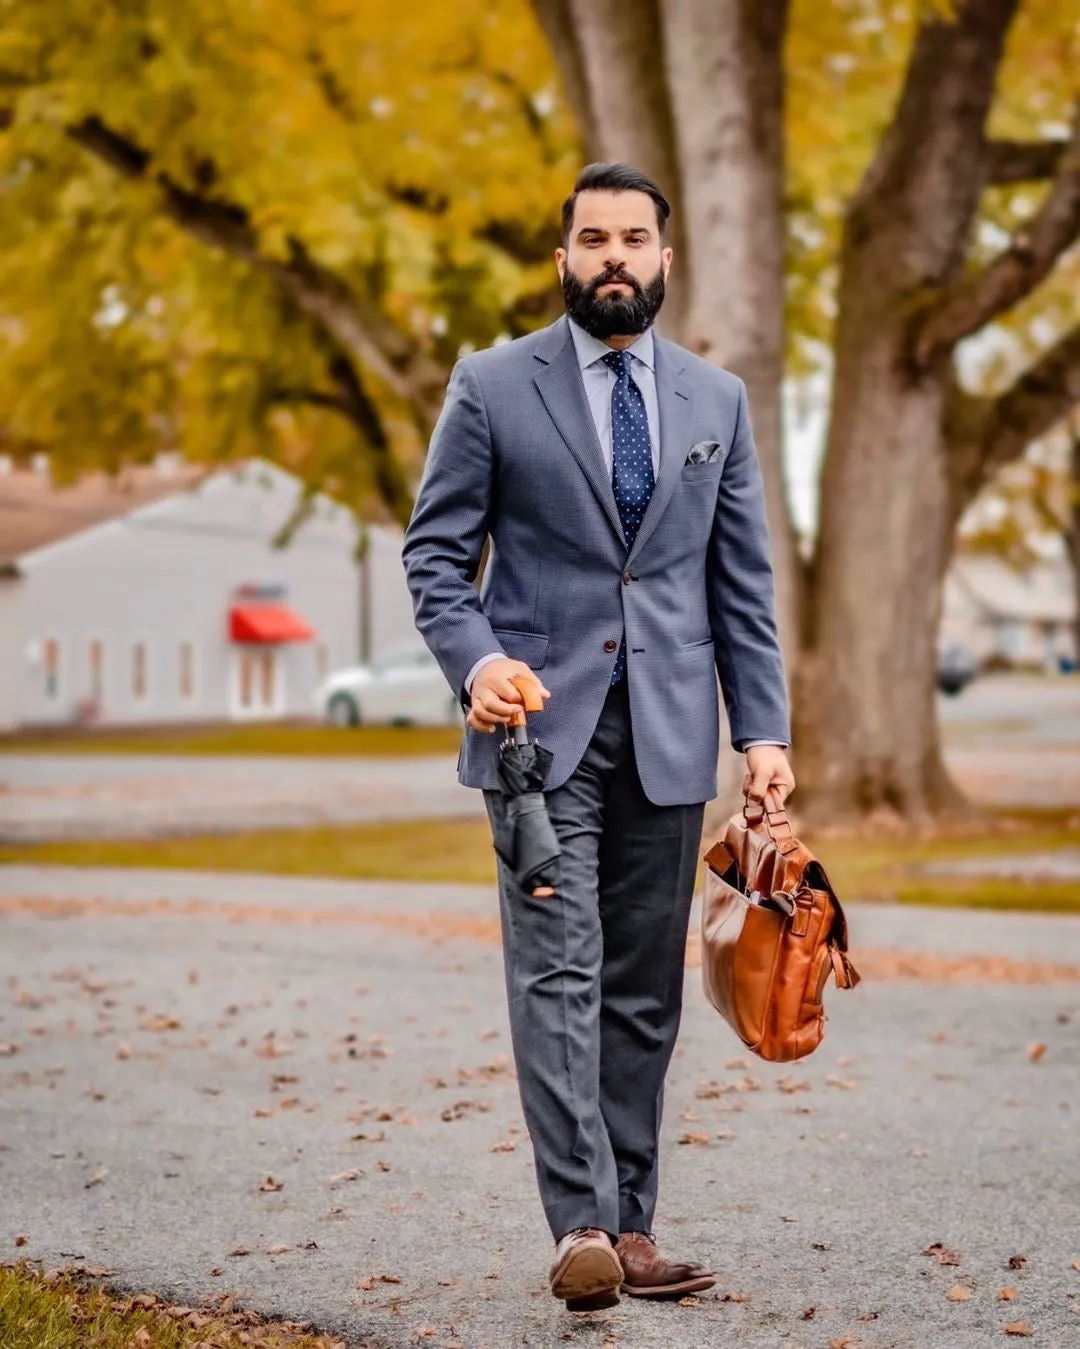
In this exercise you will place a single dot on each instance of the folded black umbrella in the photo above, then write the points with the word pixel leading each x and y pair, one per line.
pixel 525 838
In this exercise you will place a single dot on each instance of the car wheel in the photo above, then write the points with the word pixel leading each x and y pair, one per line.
pixel 342 710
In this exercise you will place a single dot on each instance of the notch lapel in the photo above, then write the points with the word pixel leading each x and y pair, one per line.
pixel 561 388
pixel 676 407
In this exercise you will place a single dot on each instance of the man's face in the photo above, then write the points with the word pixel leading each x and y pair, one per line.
pixel 613 269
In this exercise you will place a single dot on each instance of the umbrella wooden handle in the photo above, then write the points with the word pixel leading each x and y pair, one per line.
pixel 529 687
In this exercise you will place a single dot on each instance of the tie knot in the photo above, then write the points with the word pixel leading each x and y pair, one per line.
pixel 619 361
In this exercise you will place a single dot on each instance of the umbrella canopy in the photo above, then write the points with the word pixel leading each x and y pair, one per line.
pixel 525 838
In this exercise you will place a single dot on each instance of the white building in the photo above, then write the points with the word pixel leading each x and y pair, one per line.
pixel 160 596
pixel 1016 618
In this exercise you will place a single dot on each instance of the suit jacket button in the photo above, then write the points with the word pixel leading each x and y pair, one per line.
pixel 626 578
pixel 609 645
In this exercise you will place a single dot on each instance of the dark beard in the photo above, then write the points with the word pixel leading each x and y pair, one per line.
pixel 614 315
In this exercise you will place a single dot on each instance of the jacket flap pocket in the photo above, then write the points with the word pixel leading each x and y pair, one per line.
pixel 530 647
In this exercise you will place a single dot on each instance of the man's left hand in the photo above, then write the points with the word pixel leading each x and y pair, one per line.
pixel 767 766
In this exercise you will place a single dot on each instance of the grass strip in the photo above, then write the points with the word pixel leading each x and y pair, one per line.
pixel 459 851
pixel 66 1310
pixel 272 738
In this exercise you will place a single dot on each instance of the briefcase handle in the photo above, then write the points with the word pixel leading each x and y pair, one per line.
pixel 771 814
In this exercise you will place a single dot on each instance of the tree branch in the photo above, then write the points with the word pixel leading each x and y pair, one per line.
pixel 931 157
pixel 965 307
pixel 982 435
pixel 1011 162
pixel 351 318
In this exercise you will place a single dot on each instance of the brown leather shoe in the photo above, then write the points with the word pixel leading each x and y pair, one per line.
pixel 647 1273
pixel 586 1273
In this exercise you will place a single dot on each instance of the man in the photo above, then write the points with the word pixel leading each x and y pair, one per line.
pixel 616 476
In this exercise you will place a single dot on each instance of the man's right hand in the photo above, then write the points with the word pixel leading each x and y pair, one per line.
pixel 494 698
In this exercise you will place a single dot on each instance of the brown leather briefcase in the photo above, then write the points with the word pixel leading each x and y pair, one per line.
pixel 772 931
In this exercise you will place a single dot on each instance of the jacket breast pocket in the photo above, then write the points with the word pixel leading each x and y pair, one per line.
pixel 703 473
pixel 531 647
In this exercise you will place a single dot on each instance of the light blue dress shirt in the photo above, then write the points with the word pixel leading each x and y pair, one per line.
pixel 599 380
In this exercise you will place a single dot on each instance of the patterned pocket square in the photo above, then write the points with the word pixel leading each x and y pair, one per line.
pixel 705 452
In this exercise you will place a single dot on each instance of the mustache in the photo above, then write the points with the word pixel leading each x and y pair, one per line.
pixel 606 278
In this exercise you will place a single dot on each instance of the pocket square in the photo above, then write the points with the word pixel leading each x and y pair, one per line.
pixel 705 452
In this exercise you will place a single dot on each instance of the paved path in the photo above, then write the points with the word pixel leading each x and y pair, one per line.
pixel 94 796
pixel 179 1038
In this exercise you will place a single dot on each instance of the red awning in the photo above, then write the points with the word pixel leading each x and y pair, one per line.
pixel 267 623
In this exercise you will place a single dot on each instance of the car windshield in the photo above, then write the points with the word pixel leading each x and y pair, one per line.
pixel 401 660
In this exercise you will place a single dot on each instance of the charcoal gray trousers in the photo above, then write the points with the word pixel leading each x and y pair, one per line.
pixel 594 982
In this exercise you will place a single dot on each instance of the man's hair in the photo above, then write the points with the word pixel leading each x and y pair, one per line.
pixel 613 178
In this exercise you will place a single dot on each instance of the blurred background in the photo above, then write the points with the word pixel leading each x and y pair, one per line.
pixel 242 245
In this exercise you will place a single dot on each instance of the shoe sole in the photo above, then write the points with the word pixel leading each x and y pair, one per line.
pixel 697 1285
pixel 590 1274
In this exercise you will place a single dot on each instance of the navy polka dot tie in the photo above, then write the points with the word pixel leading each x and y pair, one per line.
pixel 631 460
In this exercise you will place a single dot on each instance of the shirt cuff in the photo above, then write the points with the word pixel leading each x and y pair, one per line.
pixel 780 744
pixel 484 660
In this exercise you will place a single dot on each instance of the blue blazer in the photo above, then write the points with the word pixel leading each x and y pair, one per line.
pixel 515 455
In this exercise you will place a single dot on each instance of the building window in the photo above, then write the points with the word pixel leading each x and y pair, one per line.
pixel 50 661
pixel 96 664
pixel 138 672
pixel 187 671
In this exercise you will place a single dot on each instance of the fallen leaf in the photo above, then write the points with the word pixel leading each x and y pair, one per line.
pixel 277 1250
pixel 506 1145
pixel 383 1166
pixel 736 1063
pixel 237 1251
pixel 1036 1052
pixel 808 1313
pixel 123 1051
pixel 365 1285
pixel 493 1274
pixel 1076 1265
pixel 695 1137
pixel 216 1272
pixel 343 1177
pixel 1006 1294
pixel 159 1023
pixel 425 1333
pixel 843 1342
pixel 141 1339
pixel 389 1278
pixel 944 1255
pixel 734 1297
pixel 689 1302
pixel 270 1185
pixel 1017 1261
pixel 958 1293
pixel 7 1050
pixel 96 1178
pixel 844 1083
pixel 1016 1328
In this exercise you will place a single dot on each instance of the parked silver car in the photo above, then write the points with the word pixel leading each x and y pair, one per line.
pixel 406 688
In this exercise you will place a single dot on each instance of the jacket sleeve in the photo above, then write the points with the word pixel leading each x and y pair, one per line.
pixel 445 536
pixel 739 575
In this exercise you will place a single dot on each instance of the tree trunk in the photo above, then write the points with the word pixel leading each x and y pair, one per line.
pixel 864 715
pixel 1074 535
pixel 726 77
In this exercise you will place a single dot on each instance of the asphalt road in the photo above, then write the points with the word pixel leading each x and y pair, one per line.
pixel 169 1041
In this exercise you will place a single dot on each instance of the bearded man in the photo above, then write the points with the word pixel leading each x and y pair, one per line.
pixel 616 477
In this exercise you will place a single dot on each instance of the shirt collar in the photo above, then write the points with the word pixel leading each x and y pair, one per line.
pixel 590 349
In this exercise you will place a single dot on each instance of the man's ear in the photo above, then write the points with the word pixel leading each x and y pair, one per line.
pixel 666 256
pixel 560 261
